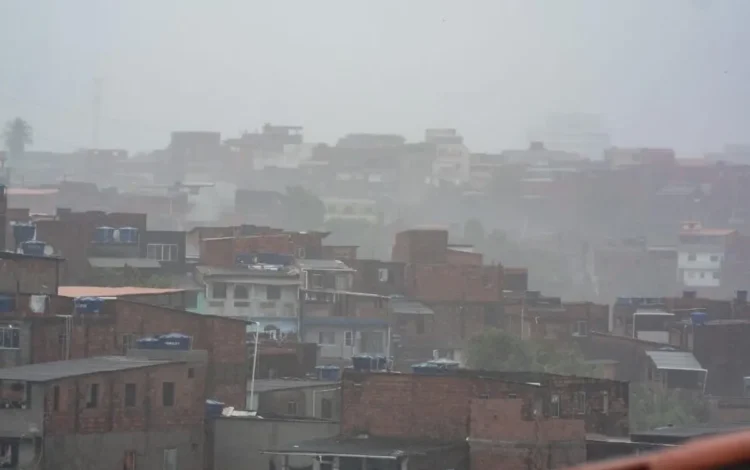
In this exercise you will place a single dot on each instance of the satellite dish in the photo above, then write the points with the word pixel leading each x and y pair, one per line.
pixel 49 250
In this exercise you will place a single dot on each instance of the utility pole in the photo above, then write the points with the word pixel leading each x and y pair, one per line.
pixel 96 113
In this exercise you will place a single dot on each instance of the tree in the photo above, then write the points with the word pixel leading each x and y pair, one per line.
pixel 18 134
pixel 497 350
pixel 653 406
pixel 304 210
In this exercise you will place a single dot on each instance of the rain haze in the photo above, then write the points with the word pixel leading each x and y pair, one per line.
pixel 360 235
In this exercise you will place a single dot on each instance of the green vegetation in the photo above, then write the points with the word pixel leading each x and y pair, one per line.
pixel 17 134
pixel 654 406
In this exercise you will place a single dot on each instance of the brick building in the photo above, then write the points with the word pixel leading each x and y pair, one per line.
pixel 30 274
pixel 55 329
pixel 470 420
pixel 223 251
pixel 105 412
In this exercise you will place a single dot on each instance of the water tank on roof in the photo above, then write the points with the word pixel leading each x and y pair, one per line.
pixel 128 235
pixel 7 303
pixel 33 247
pixel 332 373
pixel 366 362
pixel 214 408
pixel 436 367
pixel 104 235
pixel 88 304
pixel 175 341
pixel 23 232
pixel 699 318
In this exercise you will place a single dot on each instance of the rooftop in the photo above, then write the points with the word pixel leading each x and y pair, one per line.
pixel 57 370
pixel 96 291
pixel 674 360
pixel 31 191
pixel 323 265
pixel 372 447
pixel 273 385
pixel 286 274
pixel 677 435
pixel 113 263
pixel 412 307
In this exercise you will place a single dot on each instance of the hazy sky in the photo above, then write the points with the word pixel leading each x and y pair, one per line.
pixel 663 72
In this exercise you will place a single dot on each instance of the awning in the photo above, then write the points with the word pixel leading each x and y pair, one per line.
pixel 675 360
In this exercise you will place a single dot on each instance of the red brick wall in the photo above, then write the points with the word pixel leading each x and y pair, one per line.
pixel 111 415
pixel 459 257
pixel 37 275
pixel 222 251
pixel 339 252
pixel 222 338
pixel 217 252
pixel 420 246
pixel 445 282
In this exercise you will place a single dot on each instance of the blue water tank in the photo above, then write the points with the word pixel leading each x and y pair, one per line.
pixel 88 304
pixel 7 303
pixel 33 247
pixel 436 367
pixel 699 318
pixel 128 235
pixel 175 341
pixel 23 232
pixel 214 408
pixel 332 373
pixel 362 362
pixel 104 235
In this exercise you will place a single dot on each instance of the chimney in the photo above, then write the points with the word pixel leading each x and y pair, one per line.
pixel 741 296
pixel 688 294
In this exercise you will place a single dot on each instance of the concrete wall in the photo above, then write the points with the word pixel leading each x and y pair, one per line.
pixel 339 349
pixel 105 451
pixel 239 441
pixel 30 274
pixel 277 402
pixel 22 355
pixel 257 303
pixel 18 422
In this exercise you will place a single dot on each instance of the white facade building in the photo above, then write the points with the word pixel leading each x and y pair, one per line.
pixel 701 254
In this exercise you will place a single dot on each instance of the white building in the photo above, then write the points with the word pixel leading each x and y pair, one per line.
pixel 578 133
pixel 252 293
pixel 701 254
pixel 452 160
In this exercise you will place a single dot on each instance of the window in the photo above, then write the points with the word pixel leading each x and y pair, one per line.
pixel 191 373
pixel 167 394
pixel 161 252
pixel 716 275
pixel 219 290
pixel 605 403
pixel 10 338
pixel 703 274
pixel 170 459
pixel 127 343
pixel 291 408
pixel 714 258
pixel 129 460
pixel 555 405
pixel 692 257
pixel 56 398
pixel 579 400
pixel 92 399
pixel 349 339
pixel 301 252
pixel 326 408
pixel 241 292
pixel 383 274
pixel 129 395
pixel 581 328
pixel 326 337
pixel 317 281
pixel 273 292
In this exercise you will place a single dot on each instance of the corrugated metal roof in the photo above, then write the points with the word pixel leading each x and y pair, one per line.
pixel 95 291
pixel 410 307
pixel 674 360
pixel 323 265
pixel 47 371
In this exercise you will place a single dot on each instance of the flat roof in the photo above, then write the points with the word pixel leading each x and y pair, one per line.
pixel 96 291
pixel 272 385
pixel 101 262
pixel 410 307
pixel 32 191
pixel 49 371
pixel 371 447
pixel 323 265
pixel 263 275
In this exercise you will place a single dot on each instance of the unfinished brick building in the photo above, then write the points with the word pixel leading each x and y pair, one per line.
pixel 60 330
pixel 105 412
pixel 471 420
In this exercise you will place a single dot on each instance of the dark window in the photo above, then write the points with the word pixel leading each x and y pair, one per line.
pixel 191 373
pixel 167 394
pixel 92 401
pixel 10 338
pixel 129 394
pixel 240 292
pixel 326 408
pixel 273 292
pixel 420 324
pixel 127 343
pixel 219 290
pixel 291 408
pixel 555 406
pixel 56 398
pixel 579 399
